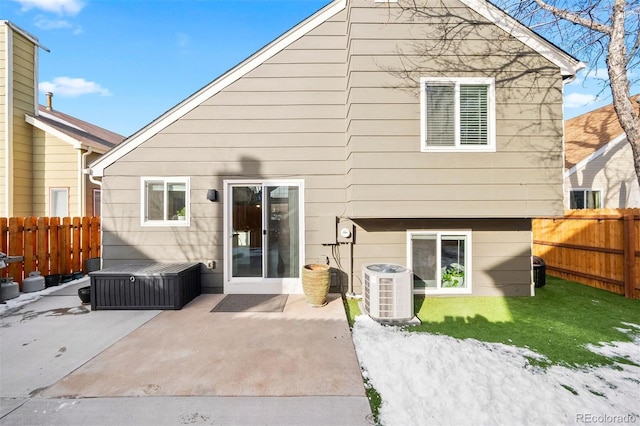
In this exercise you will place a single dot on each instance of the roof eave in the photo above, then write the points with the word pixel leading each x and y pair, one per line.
pixel 75 143
pixel 569 66
pixel 25 34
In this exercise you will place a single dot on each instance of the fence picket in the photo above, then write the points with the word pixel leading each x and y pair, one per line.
pixel 54 241
pixel 43 245
pixel 76 264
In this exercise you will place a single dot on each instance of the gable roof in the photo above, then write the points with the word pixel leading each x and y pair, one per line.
pixel 589 135
pixel 568 65
pixel 74 131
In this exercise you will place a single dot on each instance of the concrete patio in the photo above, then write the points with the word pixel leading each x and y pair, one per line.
pixel 61 363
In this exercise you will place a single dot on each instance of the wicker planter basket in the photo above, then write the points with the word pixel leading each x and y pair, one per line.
pixel 315 284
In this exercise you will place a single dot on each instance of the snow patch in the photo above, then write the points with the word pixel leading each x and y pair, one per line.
pixel 434 379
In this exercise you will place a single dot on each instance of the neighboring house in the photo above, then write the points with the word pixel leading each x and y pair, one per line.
pixel 436 162
pixel 599 171
pixel 43 151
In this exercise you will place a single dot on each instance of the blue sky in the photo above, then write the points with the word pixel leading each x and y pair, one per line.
pixel 120 64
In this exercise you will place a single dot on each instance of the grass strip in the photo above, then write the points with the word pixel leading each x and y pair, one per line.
pixel 558 322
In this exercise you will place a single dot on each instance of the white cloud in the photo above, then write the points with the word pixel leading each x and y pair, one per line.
pixel 578 100
pixel 45 23
pixel 61 7
pixel 72 87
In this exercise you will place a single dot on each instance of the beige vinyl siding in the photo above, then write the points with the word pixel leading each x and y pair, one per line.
pixel 283 120
pixel 329 110
pixel 4 136
pixel 23 57
pixel 55 165
pixel 501 250
pixel 613 174
pixel 523 178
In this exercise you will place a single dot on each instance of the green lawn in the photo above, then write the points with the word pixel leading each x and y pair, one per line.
pixel 558 322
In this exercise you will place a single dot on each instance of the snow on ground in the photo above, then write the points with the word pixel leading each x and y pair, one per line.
pixel 25 298
pixel 426 379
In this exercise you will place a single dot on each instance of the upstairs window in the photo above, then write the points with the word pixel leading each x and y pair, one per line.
pixel 457 114
pixel 165 201
pixel 585 199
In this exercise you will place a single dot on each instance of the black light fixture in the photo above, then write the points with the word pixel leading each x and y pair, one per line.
pixel 212 195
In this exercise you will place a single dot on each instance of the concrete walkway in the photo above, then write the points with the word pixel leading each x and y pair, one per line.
pixel 61 363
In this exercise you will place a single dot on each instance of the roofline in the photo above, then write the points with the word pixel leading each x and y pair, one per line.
pixel 76 144
pixel 601 151
pixel 226 79
pixel 568 65
pixel 25 34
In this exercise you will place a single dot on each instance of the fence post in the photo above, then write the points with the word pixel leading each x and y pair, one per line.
pixel 43 245
pixel 29 245
pixel 629 245
pixel 16 227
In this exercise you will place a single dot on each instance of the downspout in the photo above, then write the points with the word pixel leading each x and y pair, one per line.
pixel 83 187
pixel 93 180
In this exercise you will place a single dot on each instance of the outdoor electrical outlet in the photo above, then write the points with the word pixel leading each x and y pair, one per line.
pixel 211 264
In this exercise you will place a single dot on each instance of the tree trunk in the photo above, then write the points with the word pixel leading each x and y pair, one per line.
pixel 624 106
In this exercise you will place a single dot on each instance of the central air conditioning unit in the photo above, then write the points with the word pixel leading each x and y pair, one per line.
pixel 387 292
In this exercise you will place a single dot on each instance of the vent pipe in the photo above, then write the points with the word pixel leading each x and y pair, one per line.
pixel 49 96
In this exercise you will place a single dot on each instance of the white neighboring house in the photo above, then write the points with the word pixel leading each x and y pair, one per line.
pixel 599 170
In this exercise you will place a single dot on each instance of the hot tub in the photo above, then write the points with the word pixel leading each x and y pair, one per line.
pixel 145 286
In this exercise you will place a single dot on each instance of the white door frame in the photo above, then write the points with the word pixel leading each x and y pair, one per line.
pixel 252 285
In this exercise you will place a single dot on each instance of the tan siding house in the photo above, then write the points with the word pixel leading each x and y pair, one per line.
pixel 599 171
pixel 436 163
pixel 43 151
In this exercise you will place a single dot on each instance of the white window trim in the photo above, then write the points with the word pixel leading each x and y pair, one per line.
pixel 468 259
pixel 68 207
pixel 491 115
pixel 177 179
pixel 583 190
pixel 98 205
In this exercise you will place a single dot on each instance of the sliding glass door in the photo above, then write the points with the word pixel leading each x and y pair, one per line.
pixel 263 227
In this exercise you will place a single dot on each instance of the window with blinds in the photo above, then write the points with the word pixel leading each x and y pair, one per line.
pixel 457 114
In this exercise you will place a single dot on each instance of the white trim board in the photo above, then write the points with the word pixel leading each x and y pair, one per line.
pixel 568 65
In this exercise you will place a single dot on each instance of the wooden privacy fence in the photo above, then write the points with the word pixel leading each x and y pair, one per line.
pixel 599 248
pixel 49 245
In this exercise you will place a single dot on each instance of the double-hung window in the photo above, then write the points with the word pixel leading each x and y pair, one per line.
pixel 165 201
pixel 440 261
pixel 585 199
pixel 457 114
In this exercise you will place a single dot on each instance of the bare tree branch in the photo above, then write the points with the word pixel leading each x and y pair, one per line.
pixel 574 18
